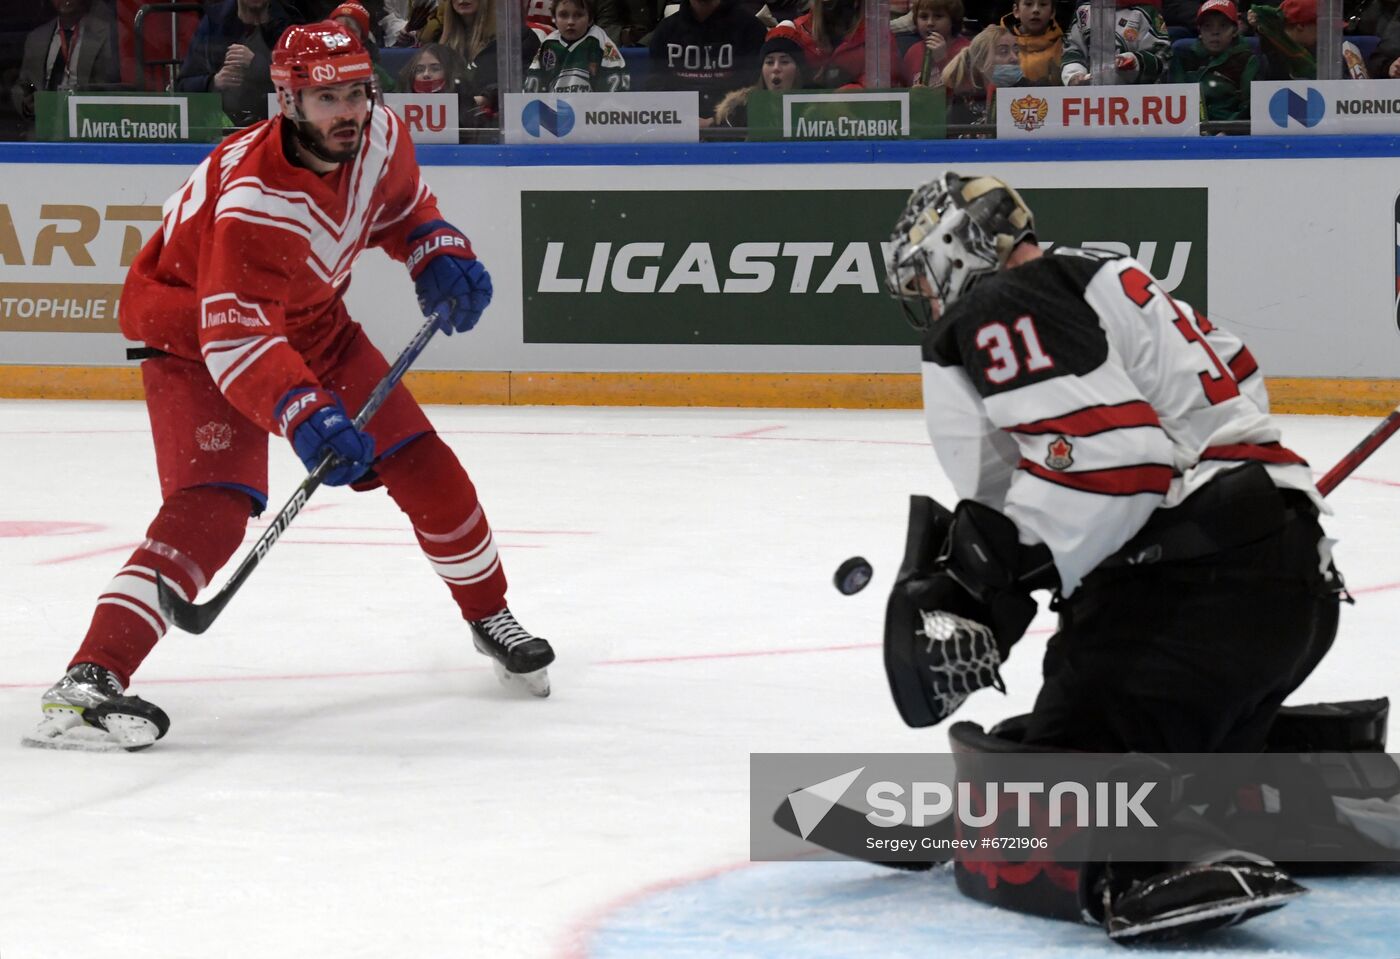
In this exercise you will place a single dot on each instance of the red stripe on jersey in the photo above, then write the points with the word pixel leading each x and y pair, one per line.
pixel 1243 365
pixel 1095 419
pixel 295 226
pixel 1118 481
pixel 1254 452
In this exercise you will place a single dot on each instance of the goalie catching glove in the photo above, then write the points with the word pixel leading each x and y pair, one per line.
pixel 452 284
pixel 961 600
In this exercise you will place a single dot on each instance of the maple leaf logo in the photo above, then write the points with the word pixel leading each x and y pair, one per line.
pixel 1059 454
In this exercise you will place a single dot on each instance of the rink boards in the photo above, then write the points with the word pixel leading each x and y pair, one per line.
pixel 751 275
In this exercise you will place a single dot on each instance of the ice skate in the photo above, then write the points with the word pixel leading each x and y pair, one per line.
pixel 1197 898
pixel 520 659
pixel 88 710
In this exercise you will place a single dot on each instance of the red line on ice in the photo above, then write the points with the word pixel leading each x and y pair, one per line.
pixel 576 939
pixel 279 677
pixel 751 434
pixel 737 654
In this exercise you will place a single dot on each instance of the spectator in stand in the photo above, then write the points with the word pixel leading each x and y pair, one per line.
pixel 782 65
pixel 970 77
pixel 539 17
pixel 930 32
pixel 774 12
pixel 1374 18
pixel 309 11
pixel 837 29
pixel 408 22
pixel 469 27
pixel 1144 49
pixel 378 14
pixel 356 18
pixel 1385 59
pixel 232 56
pixel 156 44
pixel 1180 17
pixel 434 68
pixel 77 50
pixel 627 21
pixel 1288 40
pixel 1040 44
pixel 578 57
pixel 707 46
pixel 982 13
pixel 1220 61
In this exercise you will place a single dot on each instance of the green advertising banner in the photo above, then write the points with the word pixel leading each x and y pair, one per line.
pixel 788 266
pixel 848 114
pixel 129 118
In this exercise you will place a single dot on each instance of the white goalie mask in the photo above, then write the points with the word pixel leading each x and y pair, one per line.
pixel 953 232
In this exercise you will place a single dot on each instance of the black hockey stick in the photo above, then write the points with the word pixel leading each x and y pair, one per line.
pixel 842 831
pixel 197 617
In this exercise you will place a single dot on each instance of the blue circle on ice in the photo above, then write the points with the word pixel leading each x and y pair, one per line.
pixel 844 910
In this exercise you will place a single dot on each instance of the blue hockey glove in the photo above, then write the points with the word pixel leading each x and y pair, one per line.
pixel 452 283
pixel 317 424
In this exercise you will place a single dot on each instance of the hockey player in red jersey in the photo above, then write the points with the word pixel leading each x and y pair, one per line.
pixel 239 300
pixel 1109 444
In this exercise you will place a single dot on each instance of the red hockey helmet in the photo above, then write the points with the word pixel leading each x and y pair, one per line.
pixel 318 55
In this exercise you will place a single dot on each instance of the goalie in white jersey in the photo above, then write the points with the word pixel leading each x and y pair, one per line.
pixel 1110 444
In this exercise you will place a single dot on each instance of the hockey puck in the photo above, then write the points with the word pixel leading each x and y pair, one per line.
pixel 853 575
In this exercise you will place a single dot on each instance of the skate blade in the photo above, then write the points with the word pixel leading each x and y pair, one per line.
pixel 77 738
pixel 64 728
pixel 1241 909
pixel 535 683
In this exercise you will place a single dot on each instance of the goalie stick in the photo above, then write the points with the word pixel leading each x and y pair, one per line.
pixel 1359 453
pixel 198 617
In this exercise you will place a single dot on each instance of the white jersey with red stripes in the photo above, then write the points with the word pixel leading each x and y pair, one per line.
pixel 249 269
pixel 1076 396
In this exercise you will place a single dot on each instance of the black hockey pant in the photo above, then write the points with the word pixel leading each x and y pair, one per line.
pixel 1189 656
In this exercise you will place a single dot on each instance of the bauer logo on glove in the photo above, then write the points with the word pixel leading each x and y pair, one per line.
pixel 436 243
pixel 452 284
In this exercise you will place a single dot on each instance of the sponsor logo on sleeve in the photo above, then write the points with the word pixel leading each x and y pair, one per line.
pixel 225 309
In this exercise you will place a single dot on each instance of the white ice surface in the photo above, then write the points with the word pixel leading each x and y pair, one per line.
pixel 344 777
